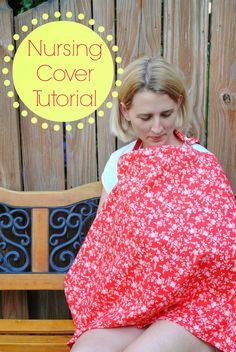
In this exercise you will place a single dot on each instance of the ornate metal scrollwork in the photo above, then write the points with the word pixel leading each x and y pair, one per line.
pixel 15 239
pixel 68 227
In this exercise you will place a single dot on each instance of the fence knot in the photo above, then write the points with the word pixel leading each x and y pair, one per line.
pixel 226 98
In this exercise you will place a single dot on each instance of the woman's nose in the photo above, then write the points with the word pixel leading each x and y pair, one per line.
pixel 156 125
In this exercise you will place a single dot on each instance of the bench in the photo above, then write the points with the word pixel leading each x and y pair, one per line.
pixel 40 234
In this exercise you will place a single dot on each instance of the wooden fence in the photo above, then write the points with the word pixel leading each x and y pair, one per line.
pixel 195 36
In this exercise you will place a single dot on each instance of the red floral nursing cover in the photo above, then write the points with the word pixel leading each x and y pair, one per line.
pixel 162 247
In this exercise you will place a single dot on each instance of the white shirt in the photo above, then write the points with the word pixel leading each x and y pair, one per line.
pixel 109 175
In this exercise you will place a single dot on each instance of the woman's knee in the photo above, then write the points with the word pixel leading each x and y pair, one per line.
pixel 106 340
pixel 165 336
pixel 84 344
pixel 83 348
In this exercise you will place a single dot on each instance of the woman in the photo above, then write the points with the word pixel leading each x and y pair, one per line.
pixel 151 275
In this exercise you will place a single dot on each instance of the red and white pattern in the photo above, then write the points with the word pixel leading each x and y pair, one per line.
pixel 163 246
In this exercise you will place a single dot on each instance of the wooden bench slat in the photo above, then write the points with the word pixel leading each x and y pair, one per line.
pixel 36 348
pixel 36 326
pixel 40 245
pixel 32 343
pixel 34 339
pixel 51 198
pixel 32 281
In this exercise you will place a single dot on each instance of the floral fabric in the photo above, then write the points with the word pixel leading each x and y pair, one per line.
pixel 162 247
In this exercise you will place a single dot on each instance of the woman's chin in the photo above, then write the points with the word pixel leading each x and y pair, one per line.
pixel 153 143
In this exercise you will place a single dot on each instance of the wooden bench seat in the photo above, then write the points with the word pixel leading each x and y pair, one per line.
pixel 35 335
pixel 43 272
pixel 29 343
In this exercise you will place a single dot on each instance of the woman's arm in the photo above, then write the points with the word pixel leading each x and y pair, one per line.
pixel 104 196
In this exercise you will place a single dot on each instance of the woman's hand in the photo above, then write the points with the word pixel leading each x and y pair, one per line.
pixel 104 196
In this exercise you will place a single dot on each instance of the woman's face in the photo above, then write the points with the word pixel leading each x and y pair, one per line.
pixel 153 118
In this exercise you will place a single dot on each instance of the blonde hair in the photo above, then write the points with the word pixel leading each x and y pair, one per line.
pixel 147 74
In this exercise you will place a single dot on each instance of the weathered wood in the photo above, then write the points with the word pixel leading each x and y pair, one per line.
pixel 138 30
pixel 12 303
pixel 104 15
pixel 40 247
pixel 52 327
pixel 50 198
pixel 10 163
pixel 222 87
pixel 32 282
pixel 43 168
pixel 150 28
pixel 185 45
pixel 80 143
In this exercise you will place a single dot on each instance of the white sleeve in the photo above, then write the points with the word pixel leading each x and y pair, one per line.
pixel 200 148
pixel 109 175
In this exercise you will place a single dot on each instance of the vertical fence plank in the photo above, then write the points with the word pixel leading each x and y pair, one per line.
pixel 10 165
pixel 185 45
pixel 43 168
pixel 138 29
pixel 13 304
pixel 81 144
pixel 43 157
pixel 222 93
pixel 150 28
pixel 129 15
pixel 104 14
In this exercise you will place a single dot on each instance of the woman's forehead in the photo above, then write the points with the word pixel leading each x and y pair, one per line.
pixel 151 100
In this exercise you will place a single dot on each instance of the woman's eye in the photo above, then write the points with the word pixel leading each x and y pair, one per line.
pixel 145 118
pixel 166 115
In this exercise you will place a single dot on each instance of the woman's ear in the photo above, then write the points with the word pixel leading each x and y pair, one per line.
pixel 180 100
pixel 124 111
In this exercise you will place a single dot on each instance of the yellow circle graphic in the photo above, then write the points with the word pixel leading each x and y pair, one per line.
pixel 81 16
pixel 68 76
pixel 10 94
pixel 16 36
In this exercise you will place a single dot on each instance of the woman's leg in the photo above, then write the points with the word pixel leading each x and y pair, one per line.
pixel 166 336
pixel 106 340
